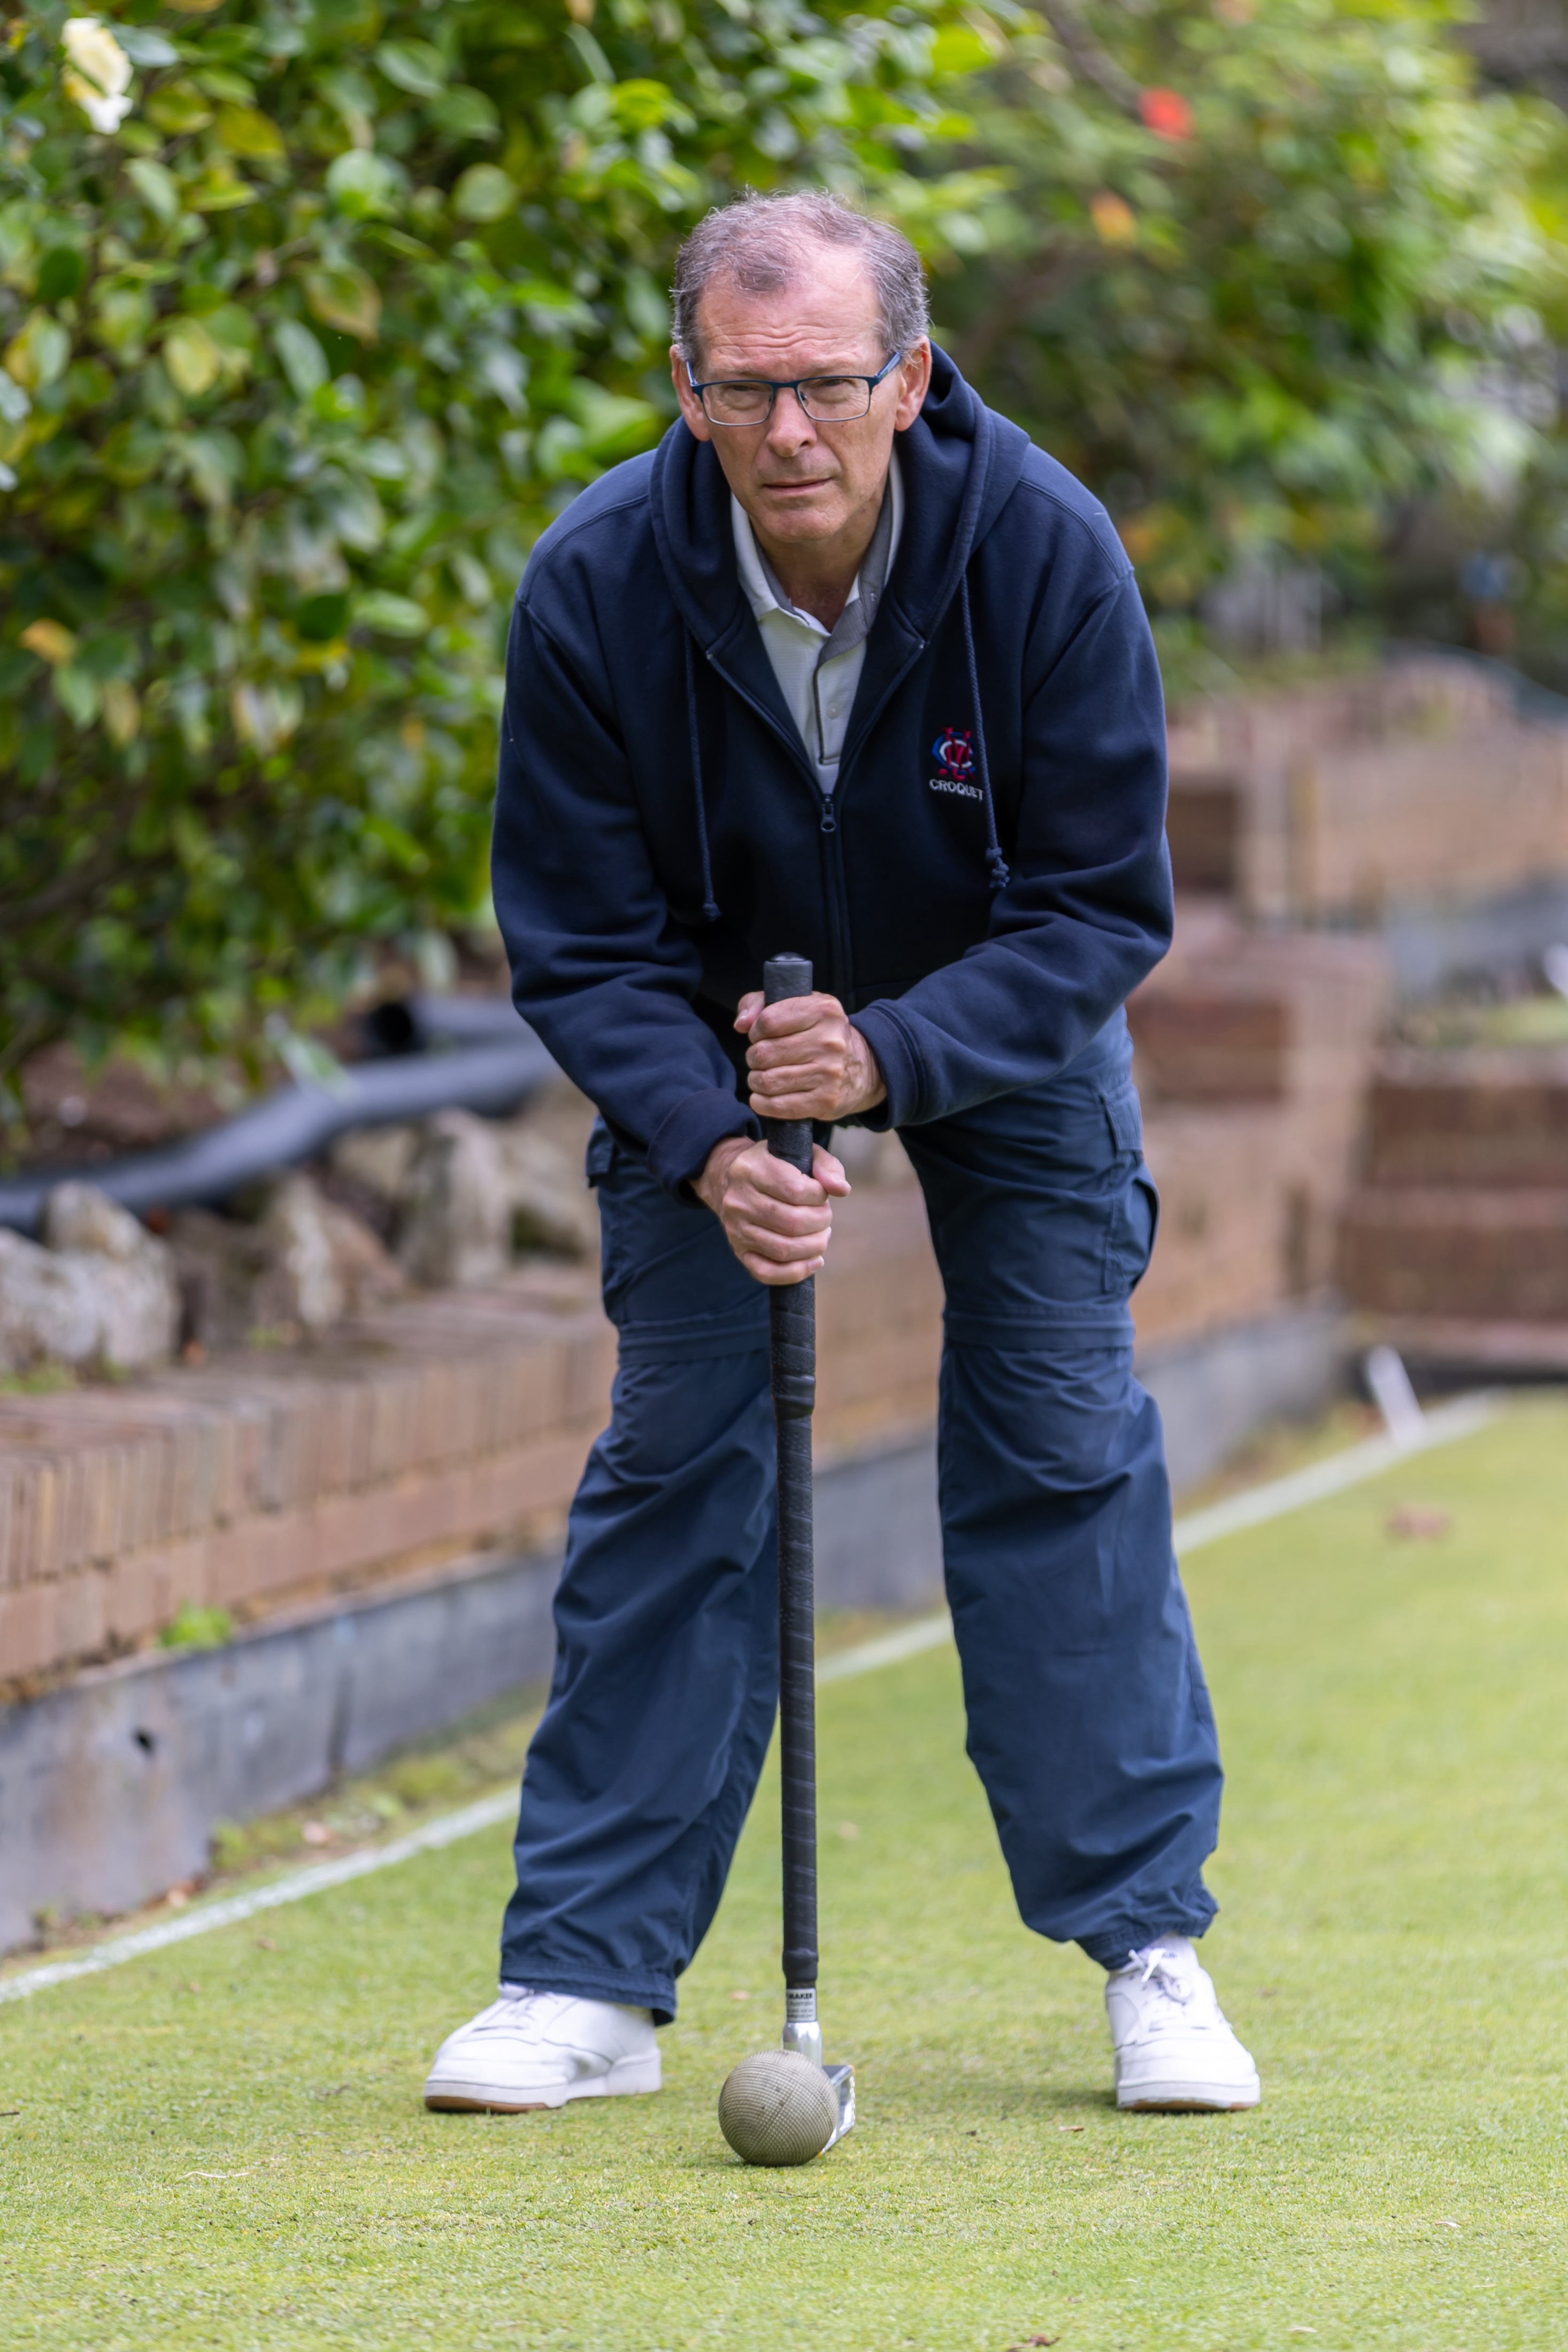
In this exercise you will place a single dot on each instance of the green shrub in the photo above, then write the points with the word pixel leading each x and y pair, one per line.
pixel 1274 269
pixel 296 359
pixel 308 328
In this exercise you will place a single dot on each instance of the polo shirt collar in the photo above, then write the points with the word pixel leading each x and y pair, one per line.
pixel 761 590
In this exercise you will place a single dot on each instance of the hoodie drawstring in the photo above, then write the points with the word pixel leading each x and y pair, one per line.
pixel 709 904
pixel 995 860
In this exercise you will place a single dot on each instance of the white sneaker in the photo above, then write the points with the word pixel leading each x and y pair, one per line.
pixel 541 2049
pixel 1173 2048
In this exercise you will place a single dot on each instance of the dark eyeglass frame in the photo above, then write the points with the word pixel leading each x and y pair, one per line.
pixel 789 384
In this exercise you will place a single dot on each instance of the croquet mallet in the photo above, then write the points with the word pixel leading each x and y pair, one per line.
pixel 784 2105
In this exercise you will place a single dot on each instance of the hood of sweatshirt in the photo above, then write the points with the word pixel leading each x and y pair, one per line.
pixel 961 464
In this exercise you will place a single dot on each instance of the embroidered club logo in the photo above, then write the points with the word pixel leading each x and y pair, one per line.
pixel 954 752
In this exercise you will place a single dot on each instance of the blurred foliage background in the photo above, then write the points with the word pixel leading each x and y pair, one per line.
pixel 313 312
pixel 1318 304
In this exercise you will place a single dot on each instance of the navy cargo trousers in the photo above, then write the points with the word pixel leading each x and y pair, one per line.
pixel 1088 1719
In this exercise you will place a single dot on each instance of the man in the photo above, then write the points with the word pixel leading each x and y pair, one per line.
pixel 846 667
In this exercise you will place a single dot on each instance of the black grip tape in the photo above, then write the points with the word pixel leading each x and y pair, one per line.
pixel 788 1139
pixel 792 1330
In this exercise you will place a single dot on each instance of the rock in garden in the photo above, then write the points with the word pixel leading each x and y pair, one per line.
pixel 552 1207
pixel 220 1261
pixel 130 1274
pixel 80 1217
pixel 324 1263
pixel 102 1291
pixel 368 1273
pixel 49 1313
pixel 377 1160
pixel 304 1280
pixel 301 1265
pixel 395 1170
pixel 457 1211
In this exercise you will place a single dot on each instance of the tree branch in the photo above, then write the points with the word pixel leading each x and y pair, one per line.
pixel 31 1032
pixel 1050 276
pixel 1093 61
pixel 79 882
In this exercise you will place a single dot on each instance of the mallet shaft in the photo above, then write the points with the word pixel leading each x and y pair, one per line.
pixel 792 1317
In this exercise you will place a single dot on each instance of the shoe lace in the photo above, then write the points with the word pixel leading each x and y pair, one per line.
pixel 519 2005
pixel 1164 1971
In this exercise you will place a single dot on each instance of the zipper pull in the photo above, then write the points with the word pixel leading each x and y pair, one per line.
pixel 829 821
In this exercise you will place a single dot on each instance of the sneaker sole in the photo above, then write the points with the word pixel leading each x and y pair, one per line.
pixel 1186 2099
pixel 626 2078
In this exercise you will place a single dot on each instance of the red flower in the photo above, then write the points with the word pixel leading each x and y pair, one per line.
pixel 1166 114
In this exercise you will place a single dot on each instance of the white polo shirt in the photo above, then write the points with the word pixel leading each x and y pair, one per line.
pixel 819 694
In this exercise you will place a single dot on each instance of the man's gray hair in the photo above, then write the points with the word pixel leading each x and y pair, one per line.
pixel 763 243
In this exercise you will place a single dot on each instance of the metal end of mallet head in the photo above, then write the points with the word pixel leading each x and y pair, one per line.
pixel 803 2034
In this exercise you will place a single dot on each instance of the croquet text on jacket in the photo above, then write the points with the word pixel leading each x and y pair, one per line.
pixel 986 884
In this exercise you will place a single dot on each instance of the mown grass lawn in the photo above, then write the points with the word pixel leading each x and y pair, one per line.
pixel 223 2145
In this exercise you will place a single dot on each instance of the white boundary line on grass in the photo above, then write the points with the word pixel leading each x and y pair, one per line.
pixel 293 1888
pixel 1250 1509
pixel 1319 1480
pixel 905 1641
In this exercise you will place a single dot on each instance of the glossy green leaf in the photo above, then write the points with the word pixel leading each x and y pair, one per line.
pixel 364 185
pixel 62 272
pixel 246 131
pixel 145 47
pixel 465 114
pixel 347 299
pixel 416 66
pixel 321 618
pixel 390 615
pixel 304 361
pixel 191 357
pixel 484 194
pixel 157 187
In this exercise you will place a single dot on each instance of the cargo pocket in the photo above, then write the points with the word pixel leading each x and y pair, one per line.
pixel 601 1154
pixel 1129 1240
pixel 1130 1244
pixel 1124 1117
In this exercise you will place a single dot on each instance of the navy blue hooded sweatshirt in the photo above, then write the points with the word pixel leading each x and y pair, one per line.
pixel 982 892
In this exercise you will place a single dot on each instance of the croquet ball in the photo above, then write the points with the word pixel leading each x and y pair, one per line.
pixel 778 2108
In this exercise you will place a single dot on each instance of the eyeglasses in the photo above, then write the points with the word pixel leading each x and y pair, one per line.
pixel 827 399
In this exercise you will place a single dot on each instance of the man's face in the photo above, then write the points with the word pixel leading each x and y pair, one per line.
pixel 804 483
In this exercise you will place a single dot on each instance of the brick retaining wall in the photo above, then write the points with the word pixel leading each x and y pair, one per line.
pixel 1493 1115
pixel 1457 1241
pixel 1330 802
pixel 460 1420
pixel 1251 1051
pixel 435 1428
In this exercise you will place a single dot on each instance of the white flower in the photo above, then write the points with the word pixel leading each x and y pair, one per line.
pixel 98 75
